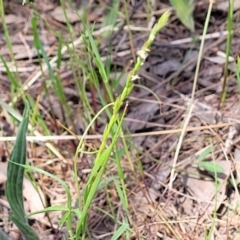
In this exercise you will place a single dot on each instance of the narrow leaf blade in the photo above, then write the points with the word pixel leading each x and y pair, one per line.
pixel 211 167
pixel 184 10
pixel 15 175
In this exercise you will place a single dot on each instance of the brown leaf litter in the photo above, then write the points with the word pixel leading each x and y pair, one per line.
pixel 193 207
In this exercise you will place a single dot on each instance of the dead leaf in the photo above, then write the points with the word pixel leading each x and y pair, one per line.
pixel 216 59
pixel 161 176
pixel 204 189
pixel 166 67
pixel 56 106
pixel 72 16
pixel 144 113
pixel 191 54
pixel 143 199
pixel 223 6
pixel 35 199
pixel 3 177
pixel 205 112
pixel 11 18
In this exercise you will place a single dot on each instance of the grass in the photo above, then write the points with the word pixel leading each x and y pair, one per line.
pixel 114 126
pixel 115 155
pixel 88 73
pixel 228 48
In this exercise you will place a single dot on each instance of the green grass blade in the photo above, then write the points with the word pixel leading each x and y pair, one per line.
pixel 211 167
pixel 64 218
pixel 55 81
pixel 99 63
pixel 228 49
pixel 184 10
pixel 120 231
pixel 37 118
pixel 9 73
pixel 111 18
pixel 114 126
pixel 204 154
pixel 64 185
pixel 15 175
pixel 51 209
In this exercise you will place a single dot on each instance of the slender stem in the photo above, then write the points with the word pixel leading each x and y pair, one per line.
pixel 201 49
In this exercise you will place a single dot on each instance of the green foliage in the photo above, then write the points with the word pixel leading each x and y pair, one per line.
pixel 114 126
pixel 67 216
pixel 111 18
pixel 228 49
pixel 184 10
pixel 209 166
pixel 14 184
pixel 204 154
pixel 118 233
pixel 212 167
pixel 86 71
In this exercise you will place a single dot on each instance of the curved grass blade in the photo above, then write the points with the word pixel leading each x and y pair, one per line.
pixel 15 175
pixel 64 185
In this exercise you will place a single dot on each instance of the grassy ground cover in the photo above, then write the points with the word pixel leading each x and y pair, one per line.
pixel 119 120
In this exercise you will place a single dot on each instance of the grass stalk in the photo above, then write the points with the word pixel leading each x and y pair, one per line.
pixel 114 124
pixel 211 2
pixel 190 107
pixel 228 49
